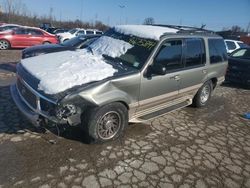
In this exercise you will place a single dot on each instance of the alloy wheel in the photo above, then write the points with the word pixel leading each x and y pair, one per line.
pixel 108 125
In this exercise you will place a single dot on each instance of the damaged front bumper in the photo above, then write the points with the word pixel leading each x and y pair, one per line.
pixel 35 117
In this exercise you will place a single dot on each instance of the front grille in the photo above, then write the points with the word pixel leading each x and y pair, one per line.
pixel 46 105
pixel 30 98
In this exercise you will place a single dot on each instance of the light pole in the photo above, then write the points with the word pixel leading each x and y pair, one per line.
pixel 121 14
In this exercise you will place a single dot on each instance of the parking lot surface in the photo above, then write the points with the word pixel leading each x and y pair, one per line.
pixel 207 147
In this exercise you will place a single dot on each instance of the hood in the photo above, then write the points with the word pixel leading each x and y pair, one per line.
pixel 60 71
pixel 67 34
pixel 44 49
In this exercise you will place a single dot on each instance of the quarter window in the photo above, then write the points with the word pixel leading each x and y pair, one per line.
pixel 230 45
pixel 217 50
pixel 170 55
pixel 195 52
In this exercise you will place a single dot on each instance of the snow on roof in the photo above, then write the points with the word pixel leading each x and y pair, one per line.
pixel 60 71
pixel 144 31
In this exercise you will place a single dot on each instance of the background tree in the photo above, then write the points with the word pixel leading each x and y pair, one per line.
pixel 149 21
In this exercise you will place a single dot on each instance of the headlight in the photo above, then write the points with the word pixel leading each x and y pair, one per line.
pixel 66 111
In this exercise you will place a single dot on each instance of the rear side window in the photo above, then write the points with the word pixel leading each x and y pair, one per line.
pixel 89 32
pixel 34 32
pixel 195 52
pixel 20 32
pixel 230 45
pixel 217 50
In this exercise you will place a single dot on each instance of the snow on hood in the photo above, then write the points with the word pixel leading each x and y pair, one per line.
pixel 110 46
pixel 144 31
pixel 60 71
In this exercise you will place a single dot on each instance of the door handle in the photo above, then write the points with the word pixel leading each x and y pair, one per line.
pixel 204 71
pixel 176 77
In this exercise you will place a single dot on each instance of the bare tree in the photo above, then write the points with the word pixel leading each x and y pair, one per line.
pixel 149 21
pixel 237 29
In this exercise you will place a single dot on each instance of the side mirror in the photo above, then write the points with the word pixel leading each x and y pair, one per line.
pixel 157 69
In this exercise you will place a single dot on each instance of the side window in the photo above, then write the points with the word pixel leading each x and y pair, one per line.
pixel 98 32
pixel 89 32
pixel 170 55
pixel 79 33
pixel 217 50
pixel 20 32
pixel 230 45
pixel 195 52
pixel 34 32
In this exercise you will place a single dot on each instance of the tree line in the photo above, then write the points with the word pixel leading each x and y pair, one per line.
pixel 16 12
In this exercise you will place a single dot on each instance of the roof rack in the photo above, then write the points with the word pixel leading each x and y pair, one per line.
pixel 186 29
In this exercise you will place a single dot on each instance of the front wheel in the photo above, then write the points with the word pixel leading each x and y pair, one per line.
pixel 107 122
pixel 203 95
pixel 4 45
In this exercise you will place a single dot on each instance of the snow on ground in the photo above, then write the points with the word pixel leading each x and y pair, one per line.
pixel 110 46
pixel 144 31
pixel 63 70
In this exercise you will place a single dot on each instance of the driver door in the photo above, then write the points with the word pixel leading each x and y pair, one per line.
pixel 159 89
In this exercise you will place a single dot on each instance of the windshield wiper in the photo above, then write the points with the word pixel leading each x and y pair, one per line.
pixel 90 49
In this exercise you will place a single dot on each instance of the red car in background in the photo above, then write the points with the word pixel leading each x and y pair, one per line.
pixel 23 37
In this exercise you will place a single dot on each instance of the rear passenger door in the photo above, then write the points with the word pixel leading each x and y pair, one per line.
pixel 20 38
pixel 35 37
pixel 195 71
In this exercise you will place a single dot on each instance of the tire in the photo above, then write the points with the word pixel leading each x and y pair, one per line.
pixel 98 122
pixel 4 45
pixel 203 95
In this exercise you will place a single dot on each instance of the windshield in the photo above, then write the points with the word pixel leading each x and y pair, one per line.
pixel 241 53
pixel 130 50
pixel 72 31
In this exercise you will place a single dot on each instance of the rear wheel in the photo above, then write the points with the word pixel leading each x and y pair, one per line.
pixel 4 45
pixel 107 122
pixel 203 95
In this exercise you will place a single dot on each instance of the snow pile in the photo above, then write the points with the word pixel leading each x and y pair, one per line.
pixel 63 70
pixel 144 31
pixel 110 46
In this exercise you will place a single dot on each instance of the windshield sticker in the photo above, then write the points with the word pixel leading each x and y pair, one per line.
pixel 142 42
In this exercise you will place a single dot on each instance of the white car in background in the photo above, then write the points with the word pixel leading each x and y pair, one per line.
pixel 232 45
pixel 77 32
